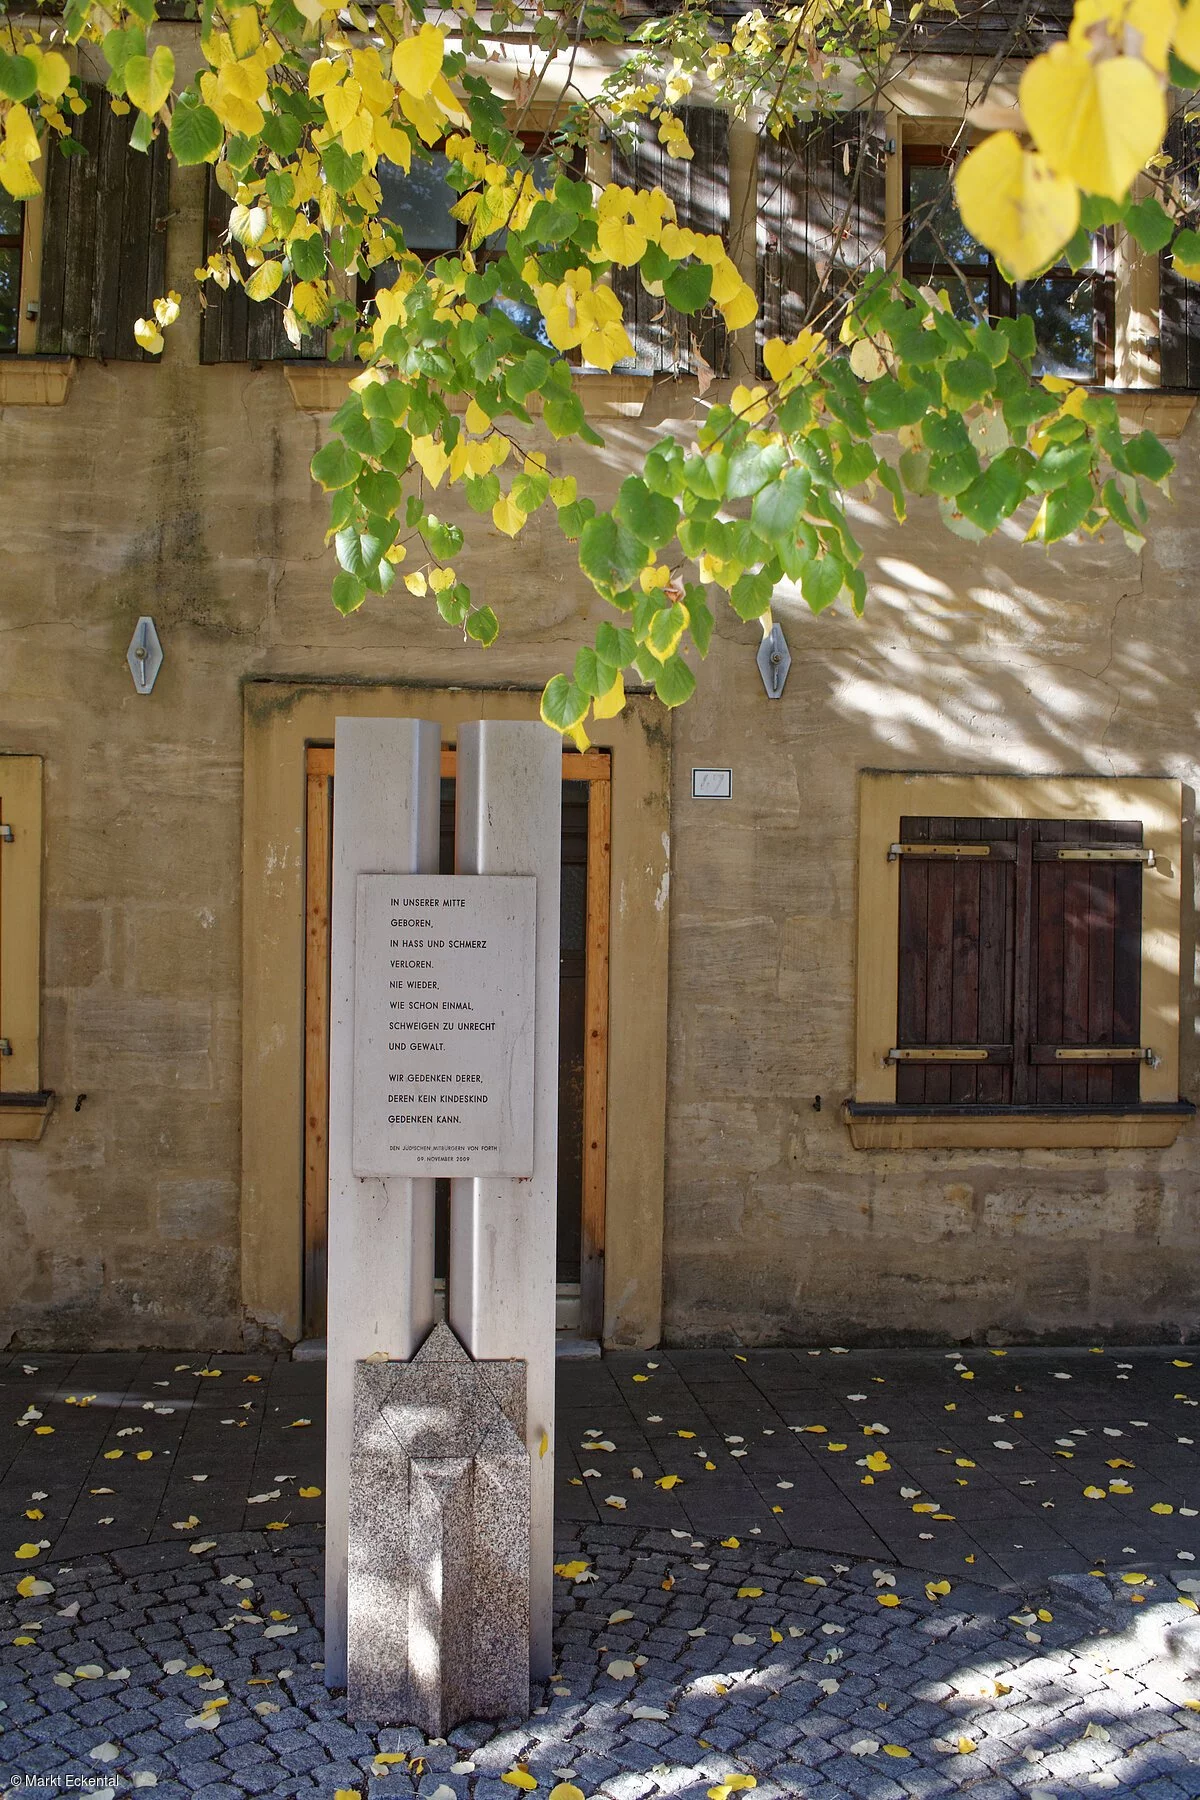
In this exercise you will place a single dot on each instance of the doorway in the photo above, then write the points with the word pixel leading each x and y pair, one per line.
pixel 583 1031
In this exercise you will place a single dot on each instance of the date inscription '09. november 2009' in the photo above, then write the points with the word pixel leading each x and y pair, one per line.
pixel 444 1025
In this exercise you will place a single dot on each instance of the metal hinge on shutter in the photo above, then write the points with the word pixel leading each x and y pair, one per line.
pixel 1099 853
pixel 1092 1053
pixel 948 1053
pixel 991 849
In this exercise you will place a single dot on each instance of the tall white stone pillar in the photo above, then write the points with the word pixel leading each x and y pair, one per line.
pixel 502 1232
pixel 386 816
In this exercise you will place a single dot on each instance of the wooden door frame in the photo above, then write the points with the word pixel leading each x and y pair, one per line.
pixel 592 766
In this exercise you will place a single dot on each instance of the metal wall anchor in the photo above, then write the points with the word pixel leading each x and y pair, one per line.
pixel 145 656
pixel 774 660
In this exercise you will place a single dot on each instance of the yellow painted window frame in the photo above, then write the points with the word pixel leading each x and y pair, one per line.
pixel 24 1107
pixel 884 798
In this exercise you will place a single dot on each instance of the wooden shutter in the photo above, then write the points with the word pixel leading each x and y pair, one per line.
pixel 662 337
pixel 1016 955
pixel 821 216
pixel 104 249
pixel 1179 300
pixel 991 28
pixel 235 329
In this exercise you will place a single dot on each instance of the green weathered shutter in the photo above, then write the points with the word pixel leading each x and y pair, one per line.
pixel 105 238
pixel 233 328
pixel 821 217
pixel 662 337
pixel 1179 300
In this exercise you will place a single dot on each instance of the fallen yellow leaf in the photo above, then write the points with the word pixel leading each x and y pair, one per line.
pixel 730 1543
pixel 23 1552
pixel 309 1493
pixel 668 1481
pixel 520 1778
pixel 888 1599
pixel 896 1750
pixel 749 1593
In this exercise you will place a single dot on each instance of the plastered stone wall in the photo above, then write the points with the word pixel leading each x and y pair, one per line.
pixel 183 492
pixel 973 658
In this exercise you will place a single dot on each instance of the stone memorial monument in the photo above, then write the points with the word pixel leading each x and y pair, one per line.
pixel 443 1061
pixel 439 1540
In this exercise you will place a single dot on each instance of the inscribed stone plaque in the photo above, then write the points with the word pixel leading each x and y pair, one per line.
pixel 443 1025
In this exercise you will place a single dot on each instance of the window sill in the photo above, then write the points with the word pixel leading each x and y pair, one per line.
pixel 321 388
pixel 23 1116
pixel 1148 409
pixel 1024 1128
pixel 35 380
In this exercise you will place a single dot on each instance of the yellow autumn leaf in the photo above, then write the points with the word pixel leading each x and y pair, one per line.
pixel 749 1593
pixel 895 1750
pixel 566 1790
pixel 148 79
pixel 34 1512
pixel 1096 123
pixel 144 1455
pixel 967 1746
pixel 888 1599
pixel 1012 201
pixel 17 178
pixel 416 583
pixel 432 458
pixel 54 74
pixel 877 1462
pixel 520 1778
pixel 934 1589
pixel 731 1543
pixel 308 1493
pixel 1187 35
pixel 416 65
pixel 741 309
pixel 1094 1493
pixel 23 1552
pixel 507 515
pixel 265 279
pixel 607 706
pixel 29 1586
pixel 620 241
pixel 570 1571
pixel 1160 1506
pixel 670 1481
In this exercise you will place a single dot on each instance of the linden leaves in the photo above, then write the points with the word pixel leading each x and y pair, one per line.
pixel 1095 108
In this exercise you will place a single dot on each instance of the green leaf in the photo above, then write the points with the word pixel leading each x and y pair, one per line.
pixel 370 437
pixel 18 76
pixel 341 169
pixel 454 604
pixel 334 466
pixel 688 287
pixel 196 132
pixel 1067 508
pixel 348 592
pixel 750 595
pixel 914 470
pixel 968 379
pixel 650 517
pixel 889 405
pixel 444 539
pixel 1181 76
pixel 563 704
pixel 528 376
pixel 891 481
pixel 573 518
pixel 379 492
pixel 663 470
pixel 280 133
pixel 997 492
pixel 308 256
pixel 142 136
pixel 563 415
pixel 700 614
pixel 707 475
pixel 854 463
pixel 1149 224
pixel 821 581
pixel 1146 456
pixel 1059 464
pixel 593 675
pixel 483 625
pixel 359 549
pixel 666 628
pixel 952 474
pixel 778 507
pixel 609 554
pixel 615 644
pixel 751 467
pixel 482 491
pixel 674 682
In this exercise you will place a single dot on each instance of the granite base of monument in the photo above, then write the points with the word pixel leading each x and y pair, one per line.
pixel 438 1595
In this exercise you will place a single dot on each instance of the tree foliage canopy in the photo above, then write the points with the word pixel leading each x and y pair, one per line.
pixel 297 103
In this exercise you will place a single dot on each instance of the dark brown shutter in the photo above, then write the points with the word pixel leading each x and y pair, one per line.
pixel 662 337
pixel 987 28
pixel 1179 300
pixel 235 329
pixel 821 218
pixel 1085 964
pixel 956 961
pixel 1019 954
pixel 104 245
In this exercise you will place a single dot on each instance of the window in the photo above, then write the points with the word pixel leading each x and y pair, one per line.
pixel 420 204
pixel 1018 962
pixel 1071 311
pixel 23 1106
pixel 11 237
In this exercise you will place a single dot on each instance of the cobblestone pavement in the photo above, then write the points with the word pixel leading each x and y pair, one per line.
pixel 846 1647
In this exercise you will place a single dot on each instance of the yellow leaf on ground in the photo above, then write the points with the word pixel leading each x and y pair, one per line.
pixel 888 1599
pixel 1096 123
pixel 730 1543
pixel 309 1493
pixel 23 1552
pixel 668 1481
pixel 749 1593
pixel 1012 201
pixel 896 1750
pixel 1160 1506
pixel 570 1571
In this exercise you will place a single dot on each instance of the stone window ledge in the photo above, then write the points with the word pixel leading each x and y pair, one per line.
pixel 23 1116
pixel 35 380
pixel 1147 409
pixel 1015 1128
